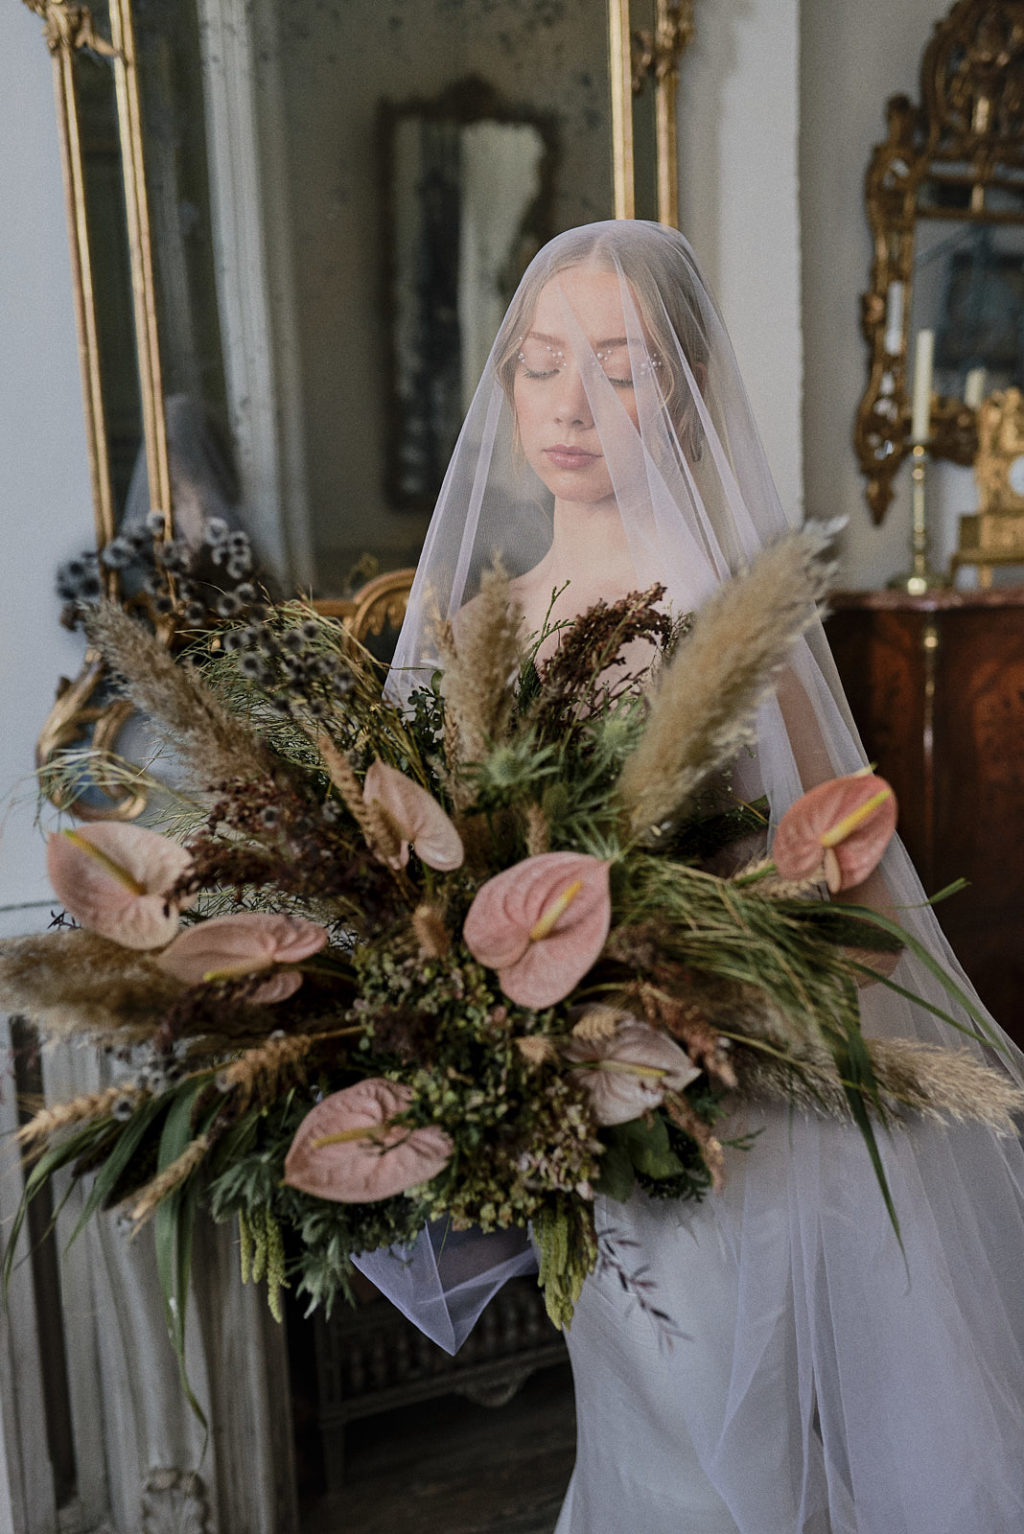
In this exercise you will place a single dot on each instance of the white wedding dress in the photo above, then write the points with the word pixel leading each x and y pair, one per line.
pixel 823 1386
pixel 829 1380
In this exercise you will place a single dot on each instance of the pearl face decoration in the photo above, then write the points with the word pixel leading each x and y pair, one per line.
pixel 539 359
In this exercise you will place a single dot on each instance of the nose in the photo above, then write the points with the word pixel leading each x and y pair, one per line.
pixel 572 408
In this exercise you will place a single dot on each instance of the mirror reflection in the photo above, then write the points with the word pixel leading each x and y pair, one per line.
pixel 541 81
pixel 469 190
pixel 108 236
pixel 969 288
pixel 325 261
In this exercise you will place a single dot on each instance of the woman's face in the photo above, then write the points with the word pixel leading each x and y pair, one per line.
pixel 556 424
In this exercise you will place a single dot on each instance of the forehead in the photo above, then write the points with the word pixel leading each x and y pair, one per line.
pixel 595 298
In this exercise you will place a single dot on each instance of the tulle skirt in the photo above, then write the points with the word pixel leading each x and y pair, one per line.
pixel 828 1380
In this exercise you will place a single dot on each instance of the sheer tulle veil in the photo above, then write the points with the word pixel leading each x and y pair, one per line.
pixel 837 1380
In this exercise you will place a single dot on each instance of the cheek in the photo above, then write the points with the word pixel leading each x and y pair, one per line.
pixel 525 409
pixel 629 400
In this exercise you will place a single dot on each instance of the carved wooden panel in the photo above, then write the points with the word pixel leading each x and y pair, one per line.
pixel 936 684
pixel 372 1359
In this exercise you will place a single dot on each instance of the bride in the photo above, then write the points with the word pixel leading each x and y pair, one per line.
pixel 830 1377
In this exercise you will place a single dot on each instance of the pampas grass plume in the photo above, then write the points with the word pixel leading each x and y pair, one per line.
pixel 482 656
pixel 90 1105
pixel 703 710
pixel 208 739
pixel 153 1194
pixel 913 1078
pixel 72 983
pixel 432 935
pixel 259 1070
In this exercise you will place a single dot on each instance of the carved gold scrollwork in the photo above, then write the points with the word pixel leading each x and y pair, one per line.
pixel 75 718
pixel 378 605
pixel 68 29
pixel 967 137
pixel 655 54
pixel 71 27
pixel 972 82
pixel 657 51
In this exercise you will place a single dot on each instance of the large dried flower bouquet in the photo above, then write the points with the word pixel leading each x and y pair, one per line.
pixel 474 959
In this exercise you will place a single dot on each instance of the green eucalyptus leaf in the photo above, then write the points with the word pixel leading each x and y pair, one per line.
pixel 617 1177
pixel 646 1142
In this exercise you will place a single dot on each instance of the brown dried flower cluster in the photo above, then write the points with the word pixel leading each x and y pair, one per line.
pixel 588 671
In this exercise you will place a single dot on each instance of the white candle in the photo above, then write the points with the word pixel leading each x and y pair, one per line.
pixel 894 319
pixel 974 387
pixel 924 355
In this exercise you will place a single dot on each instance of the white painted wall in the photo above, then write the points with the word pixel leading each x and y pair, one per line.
pixel 739 185
pixel 45 501
pixel 780 104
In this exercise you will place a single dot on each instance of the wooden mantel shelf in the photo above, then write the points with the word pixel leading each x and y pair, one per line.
pixel 940 600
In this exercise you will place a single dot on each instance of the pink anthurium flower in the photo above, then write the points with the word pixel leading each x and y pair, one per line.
pixel 541 924
pixel 114 879
pixel 416 816
pixel 838 830
pixel 350 1150
pixel 628 1072
pixel 231 947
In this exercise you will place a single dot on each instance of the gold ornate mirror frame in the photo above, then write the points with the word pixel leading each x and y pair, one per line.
pixel 67 29
pixel 645 46
pixel 948 158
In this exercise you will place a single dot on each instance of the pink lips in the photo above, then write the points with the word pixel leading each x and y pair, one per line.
pixel 569 457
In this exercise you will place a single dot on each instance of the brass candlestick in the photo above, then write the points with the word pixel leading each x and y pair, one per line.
pixel 922 577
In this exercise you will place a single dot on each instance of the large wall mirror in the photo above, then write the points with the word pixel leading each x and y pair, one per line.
pixel 945 202
pixel 294 226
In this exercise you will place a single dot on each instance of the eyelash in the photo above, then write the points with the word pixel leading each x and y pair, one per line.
pixel 617 383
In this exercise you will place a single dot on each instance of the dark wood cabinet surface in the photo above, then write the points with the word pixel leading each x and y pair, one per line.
pixel 936 685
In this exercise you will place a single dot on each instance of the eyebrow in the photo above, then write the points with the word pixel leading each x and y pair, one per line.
pixel 539 335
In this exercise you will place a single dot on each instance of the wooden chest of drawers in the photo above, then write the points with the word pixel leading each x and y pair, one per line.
pixel 936 684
